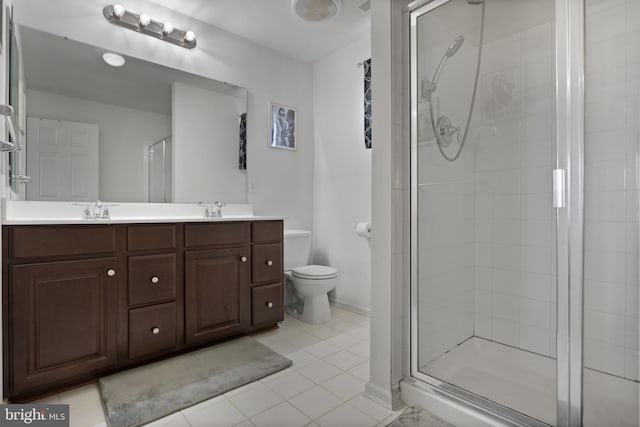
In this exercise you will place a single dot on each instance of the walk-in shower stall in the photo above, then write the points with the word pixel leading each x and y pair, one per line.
pixel 525 148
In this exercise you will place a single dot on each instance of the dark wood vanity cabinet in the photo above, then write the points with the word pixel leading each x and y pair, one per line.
pixel 267 291
pixel 81 301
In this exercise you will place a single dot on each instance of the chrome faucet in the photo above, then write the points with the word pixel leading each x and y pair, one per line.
pixel 100 210
pixel 97 209
pixel 217 209
pixel 212 210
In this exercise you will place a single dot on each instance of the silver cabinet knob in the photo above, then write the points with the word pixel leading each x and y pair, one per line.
pixel 269 304
pixel 111 272
pixel 155 330
pixel 155 279
pixel 243 259
pixel 269 263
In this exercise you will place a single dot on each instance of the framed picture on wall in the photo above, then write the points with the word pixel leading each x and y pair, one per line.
pixel 282 126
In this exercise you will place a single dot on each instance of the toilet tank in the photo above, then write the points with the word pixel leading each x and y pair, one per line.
pixel 297 247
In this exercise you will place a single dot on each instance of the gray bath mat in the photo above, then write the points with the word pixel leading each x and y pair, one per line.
pixel 143 394
pixel 416 417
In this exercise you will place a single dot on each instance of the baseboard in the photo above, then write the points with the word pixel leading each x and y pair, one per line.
pixel 390 399
pixel 351 307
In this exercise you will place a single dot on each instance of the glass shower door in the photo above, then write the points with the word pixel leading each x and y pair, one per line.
pixel 483 226
pixel 611 315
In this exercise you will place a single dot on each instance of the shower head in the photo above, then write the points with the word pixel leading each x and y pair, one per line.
pixel 451 50
pixel 454 46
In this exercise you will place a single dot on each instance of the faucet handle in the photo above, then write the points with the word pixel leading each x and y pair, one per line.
pixel 86 213
pixel 206 210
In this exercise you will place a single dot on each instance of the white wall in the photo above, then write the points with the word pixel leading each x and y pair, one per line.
pixel 282 180
pixel 123 134
pixel 205 145
pixel 342 173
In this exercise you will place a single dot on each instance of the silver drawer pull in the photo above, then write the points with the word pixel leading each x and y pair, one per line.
pixel 269 304
pixel 155 279
pixel 155 330
pixel 269 263
pixel 243 259
pixel 111 272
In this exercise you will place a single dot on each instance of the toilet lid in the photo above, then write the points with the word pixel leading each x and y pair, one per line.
pixel 314 272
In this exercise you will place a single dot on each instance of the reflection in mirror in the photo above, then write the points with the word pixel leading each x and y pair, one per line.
pixel 135 133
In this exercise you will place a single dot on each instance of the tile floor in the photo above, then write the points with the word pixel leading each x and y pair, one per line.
pixel 323 387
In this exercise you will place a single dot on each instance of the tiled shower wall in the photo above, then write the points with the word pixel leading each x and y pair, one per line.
pixel 513 140
pixel 612 80
pixel 445 199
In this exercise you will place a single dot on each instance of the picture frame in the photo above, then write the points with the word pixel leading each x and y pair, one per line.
pixel 282 126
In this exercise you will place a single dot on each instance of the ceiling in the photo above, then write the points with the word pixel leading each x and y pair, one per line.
pixel 273 24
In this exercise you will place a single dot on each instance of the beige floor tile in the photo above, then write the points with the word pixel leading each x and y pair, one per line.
pixel 283 415
pixel 346 415
pixel 315 402
pixel 344 386
pixel 255 400
pixel 290 385
pixel 319 371
pixel 344 360
pixel 220 414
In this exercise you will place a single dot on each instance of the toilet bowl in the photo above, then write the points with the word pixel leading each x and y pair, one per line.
pixel 312 284
pixel 306 285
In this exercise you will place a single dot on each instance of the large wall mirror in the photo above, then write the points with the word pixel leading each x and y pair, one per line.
pixel 139 132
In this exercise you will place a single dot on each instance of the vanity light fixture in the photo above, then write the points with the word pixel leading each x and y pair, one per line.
pixel 142 23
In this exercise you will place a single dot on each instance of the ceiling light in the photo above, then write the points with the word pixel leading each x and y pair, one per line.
pixel 118 10
pixel 144 20
pixel 142 23
pixel 167 28
pixel 189 36
pixel 113 59
pixel 316 10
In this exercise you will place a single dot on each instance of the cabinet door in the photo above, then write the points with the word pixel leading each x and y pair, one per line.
pixel 217 298
pixel 62 321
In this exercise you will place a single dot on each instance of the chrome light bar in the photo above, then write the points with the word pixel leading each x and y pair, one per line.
pixel 118 15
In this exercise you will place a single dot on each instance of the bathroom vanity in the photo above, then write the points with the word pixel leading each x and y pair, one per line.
pixel 84 300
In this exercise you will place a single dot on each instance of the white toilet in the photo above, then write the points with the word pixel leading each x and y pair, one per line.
pixel 307 285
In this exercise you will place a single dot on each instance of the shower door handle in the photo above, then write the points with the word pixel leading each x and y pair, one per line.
pixel 559 198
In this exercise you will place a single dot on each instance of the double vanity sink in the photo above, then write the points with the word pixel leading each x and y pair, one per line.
pixel 86 297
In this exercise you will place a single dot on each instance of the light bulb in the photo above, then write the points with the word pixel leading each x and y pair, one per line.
pixel 144 20
pixel 189 36
pixel 118 11
pixel 167 28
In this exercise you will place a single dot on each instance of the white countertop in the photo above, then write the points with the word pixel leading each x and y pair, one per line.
pixel 38 221
pixel 49 213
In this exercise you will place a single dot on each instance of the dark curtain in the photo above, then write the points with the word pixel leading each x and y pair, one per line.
pixel 367 103
pixel 243 142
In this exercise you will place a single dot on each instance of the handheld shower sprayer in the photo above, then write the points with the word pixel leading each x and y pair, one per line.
pixel 451 50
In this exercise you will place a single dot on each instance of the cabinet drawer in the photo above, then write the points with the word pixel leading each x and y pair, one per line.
pixel 216 234
pixel 266 263
pixel 267 304
pixel 52 241
pixel 266 231
pixel 152 329
pixel 152 278
pixel 152 236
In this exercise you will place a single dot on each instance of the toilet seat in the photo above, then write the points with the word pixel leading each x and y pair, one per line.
pixel 314 272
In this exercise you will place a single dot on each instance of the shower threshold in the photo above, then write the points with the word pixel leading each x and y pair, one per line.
pixel 526 382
